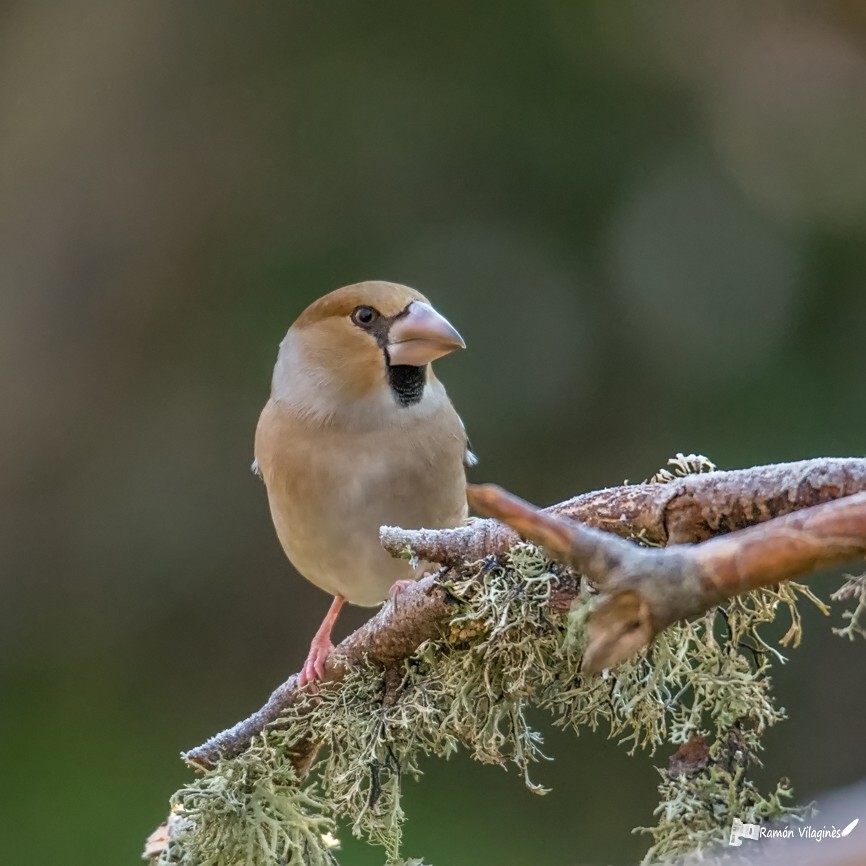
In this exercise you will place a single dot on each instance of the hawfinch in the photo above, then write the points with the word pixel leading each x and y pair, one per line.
pixel 359 433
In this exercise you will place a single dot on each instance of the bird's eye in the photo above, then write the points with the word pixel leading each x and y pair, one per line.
pixel 364 316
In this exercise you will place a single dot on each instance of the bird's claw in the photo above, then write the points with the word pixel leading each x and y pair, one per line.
pixel 397 589
pixel 317 658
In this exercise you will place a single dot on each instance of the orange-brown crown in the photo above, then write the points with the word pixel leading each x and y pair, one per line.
pixel 388 298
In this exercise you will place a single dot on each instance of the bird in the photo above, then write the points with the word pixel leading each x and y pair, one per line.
pixel 359 433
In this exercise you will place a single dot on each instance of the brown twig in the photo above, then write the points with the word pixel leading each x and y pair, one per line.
pixel 688 509
pixel 644 590
pixel 685 510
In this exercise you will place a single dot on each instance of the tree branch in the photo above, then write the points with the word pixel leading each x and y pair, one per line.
pixel 689 509
pixel 644 590
pixel 685 510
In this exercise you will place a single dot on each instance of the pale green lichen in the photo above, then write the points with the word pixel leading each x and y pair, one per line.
pixel 854 588
pixel 682 465
pixel 698 805
pixel 510 647
pixel 250 810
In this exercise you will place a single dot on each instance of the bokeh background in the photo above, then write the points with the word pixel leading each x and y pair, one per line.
pixel 648 221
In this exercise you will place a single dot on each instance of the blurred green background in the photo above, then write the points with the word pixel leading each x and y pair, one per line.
pixel 647 220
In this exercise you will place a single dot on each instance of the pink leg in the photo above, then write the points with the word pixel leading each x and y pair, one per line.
pixel 321 646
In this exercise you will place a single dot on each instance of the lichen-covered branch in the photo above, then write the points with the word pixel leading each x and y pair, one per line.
pixel 644 590
pixel 502 628
pixel 684 509
pixel 392 635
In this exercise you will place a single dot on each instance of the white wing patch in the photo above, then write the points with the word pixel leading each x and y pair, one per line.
pixel 469 458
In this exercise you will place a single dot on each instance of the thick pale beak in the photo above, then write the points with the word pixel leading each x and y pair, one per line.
pixel 420 336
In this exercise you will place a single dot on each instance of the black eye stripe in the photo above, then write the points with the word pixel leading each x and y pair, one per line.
pixel 378 326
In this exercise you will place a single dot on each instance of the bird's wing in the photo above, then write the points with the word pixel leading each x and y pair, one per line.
pixel 469 458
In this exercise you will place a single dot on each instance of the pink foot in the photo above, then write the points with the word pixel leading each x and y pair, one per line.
pixel 314 666
pixel 397 589
pixel 321 646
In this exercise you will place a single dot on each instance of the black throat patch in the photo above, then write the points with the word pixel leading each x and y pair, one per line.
pixel 407 383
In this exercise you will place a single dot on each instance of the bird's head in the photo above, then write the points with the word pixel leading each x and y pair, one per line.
pixel 369 343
